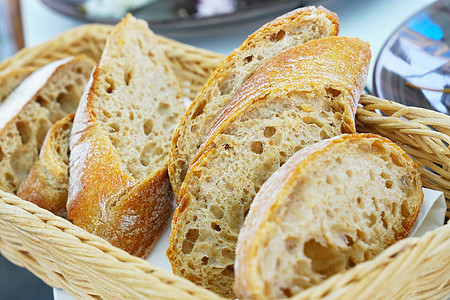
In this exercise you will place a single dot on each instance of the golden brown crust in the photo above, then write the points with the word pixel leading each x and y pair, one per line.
pixel 291 23
pixel 274 196
pixel 289 94
pixel 106 198
pixel 149 202
pixel 37 190
pixel 337 63
pixel 95 170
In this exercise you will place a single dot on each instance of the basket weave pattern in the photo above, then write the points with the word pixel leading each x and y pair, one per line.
pixel 422 133
pixel 67 257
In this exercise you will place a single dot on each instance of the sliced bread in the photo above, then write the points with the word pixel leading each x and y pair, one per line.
pixel 48 181
pixel 296 27
pixel 26 115
pixel 332 205
pixel 303 95
pixel 118 186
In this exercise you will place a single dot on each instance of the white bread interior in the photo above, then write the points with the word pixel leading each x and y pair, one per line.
pixel 334 204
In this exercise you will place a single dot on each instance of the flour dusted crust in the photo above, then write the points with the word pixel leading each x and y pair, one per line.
pixel 28 112
pixel 301 96
pixel 296 27
pixel 332 205
pixel 48 181
pixel 119 187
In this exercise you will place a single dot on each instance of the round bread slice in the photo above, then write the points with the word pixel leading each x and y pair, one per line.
pixel 293 28
pixel 332 205
pixel 301 96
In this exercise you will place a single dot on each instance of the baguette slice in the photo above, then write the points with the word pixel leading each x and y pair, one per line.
pixel 296 27
pixel 48 181
pixel 26 115
pixel 303 95
pixel 118 186
pixel 332 205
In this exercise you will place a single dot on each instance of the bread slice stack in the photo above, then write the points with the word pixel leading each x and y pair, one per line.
pixel 48 181
pixel 296 27
pixel 334 204
pixel 28 112
pixel 305 94
pixel 119 187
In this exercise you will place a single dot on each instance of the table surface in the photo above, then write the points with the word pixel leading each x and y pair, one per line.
pixel 372 21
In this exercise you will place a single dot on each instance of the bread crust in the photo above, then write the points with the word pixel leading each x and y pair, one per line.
pixel 102 195
pixel 274 196
pixel 295 87
pixel 297 68
pixel 209 103
pixel 48 181
pixel 107 199
pixel 300 68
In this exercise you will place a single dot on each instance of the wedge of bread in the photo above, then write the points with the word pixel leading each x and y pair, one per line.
pixel 296 27
pixel 26 115
pixel 48 181
pixel 118 186
pixel 332 205
pixel 303 95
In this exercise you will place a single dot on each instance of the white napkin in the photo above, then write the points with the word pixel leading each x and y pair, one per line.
pixel 432 213
pixel 158 255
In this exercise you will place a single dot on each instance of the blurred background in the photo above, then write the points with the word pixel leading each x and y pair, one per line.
pixel 409 42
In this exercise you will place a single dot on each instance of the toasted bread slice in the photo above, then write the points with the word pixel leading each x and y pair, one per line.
pixel 303 95
pixel 48 181
pixel 118 186
pixel 296 27
pixel 28 112
pixel 332 205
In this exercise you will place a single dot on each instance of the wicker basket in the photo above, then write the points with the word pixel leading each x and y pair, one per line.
pixel 67 257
